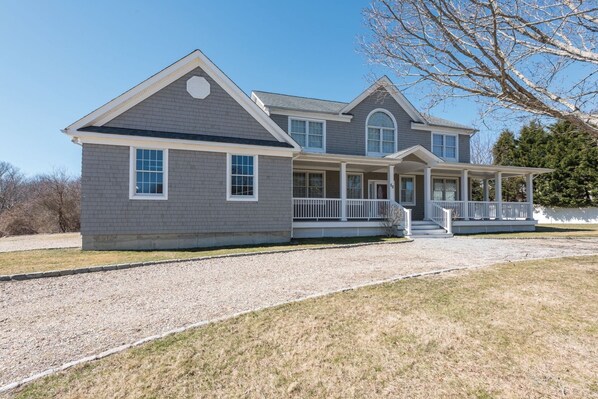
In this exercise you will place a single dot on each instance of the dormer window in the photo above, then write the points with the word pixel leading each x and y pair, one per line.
pixel 381 133
pixel 309 134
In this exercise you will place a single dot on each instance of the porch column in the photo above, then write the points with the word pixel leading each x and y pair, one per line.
pixel 498 195
pixel 465 193
pixel 529 187
pixel 427 189
pixel 343 189
pixel 390 177
pixel 486 190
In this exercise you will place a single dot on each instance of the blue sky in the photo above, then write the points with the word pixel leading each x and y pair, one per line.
pixel 60 60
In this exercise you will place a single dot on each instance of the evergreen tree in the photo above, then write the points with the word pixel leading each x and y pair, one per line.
pixel 572 154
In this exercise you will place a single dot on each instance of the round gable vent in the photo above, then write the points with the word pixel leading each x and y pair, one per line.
pixel 198 87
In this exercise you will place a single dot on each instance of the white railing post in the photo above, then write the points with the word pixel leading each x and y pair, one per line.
pixel 407 221
pixel 448 220
pixel 343 189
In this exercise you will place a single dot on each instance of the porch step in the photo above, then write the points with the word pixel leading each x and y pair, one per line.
pixel 427 229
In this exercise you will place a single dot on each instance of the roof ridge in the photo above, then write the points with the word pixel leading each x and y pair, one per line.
pixel 292 95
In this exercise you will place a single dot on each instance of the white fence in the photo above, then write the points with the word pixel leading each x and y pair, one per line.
pixel 566 215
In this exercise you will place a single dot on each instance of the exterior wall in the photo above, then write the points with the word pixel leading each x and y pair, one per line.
pixel 196 212
pixel 172 109
pixel 464 148
pixel 348 138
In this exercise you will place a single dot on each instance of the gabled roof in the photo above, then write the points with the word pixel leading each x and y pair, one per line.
pixel 436 121
pixel 276 102
pixel 419 151
pixel 134 96
pixel 284 101
pixel 385 83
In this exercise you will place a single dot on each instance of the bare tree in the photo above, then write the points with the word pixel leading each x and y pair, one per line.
pixel 481 149
pixel 11 186
pixel 536 56
pixel 60 195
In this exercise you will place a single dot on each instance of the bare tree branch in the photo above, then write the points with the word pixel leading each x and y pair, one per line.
pixel 536 56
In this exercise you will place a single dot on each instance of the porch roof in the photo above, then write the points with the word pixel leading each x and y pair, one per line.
pixel 488 171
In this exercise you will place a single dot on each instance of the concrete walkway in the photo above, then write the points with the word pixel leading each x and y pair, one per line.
pixel 48 322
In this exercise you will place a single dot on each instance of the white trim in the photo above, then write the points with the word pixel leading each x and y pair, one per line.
pixel 350 159
pixel 362 181
pixel 456 136
pixel 442 129
pixel 340 224
pixel 401 189
pixel 386 83
pixel 306 120
pixel 307 114
pixel 242 198
pixel 396 135
pixel 168 75
pixel 374 184
pixel 307 171
pixel 133 175
pixel 190 145
pixel 420 151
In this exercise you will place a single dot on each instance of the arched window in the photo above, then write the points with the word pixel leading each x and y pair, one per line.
pixel 381 133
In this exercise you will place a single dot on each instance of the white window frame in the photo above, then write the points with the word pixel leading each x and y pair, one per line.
pixel 307 120
pixel 394 121
pixel 444 179
pixel 355 174
pixel 307 172
pixel 401 190
pixel 133 195
pixel 456 136
pixel 245 198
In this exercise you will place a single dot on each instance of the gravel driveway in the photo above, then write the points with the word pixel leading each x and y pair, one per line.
pixel 47 322
pixel 40 241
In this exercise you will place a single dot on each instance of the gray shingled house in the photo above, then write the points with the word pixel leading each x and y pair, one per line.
pixel 187 159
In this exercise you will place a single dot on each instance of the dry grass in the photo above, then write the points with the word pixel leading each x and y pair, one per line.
pixel 549 231
pixel 523 330
pixel 72 258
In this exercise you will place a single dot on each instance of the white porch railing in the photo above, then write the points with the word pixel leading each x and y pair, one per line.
pixel 317 208
pixel 356 209
pixel 367 208
pixel 485 210
pixel 442 217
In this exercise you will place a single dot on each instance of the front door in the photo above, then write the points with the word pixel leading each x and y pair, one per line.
pixel 381 191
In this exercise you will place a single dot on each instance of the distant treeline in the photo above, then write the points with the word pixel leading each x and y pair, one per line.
pixel 46 203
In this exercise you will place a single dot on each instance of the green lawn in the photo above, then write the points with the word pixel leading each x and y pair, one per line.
pixel 57 259
pixel 519 330
pixel 549 231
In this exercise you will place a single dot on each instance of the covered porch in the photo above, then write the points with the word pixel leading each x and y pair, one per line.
pixel 356 195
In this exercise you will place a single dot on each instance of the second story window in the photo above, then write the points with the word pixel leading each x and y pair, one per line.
pixel 309 134
pixel 381 134
pixel 445 146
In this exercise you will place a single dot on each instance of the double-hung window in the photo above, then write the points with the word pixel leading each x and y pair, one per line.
pixel 445 146
pixel 309 134
pixel 381 134
pixel 407 192
pixel 444 189
pixel 148 173
pixel 242 177
pixel 308 184
pixel 354 186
